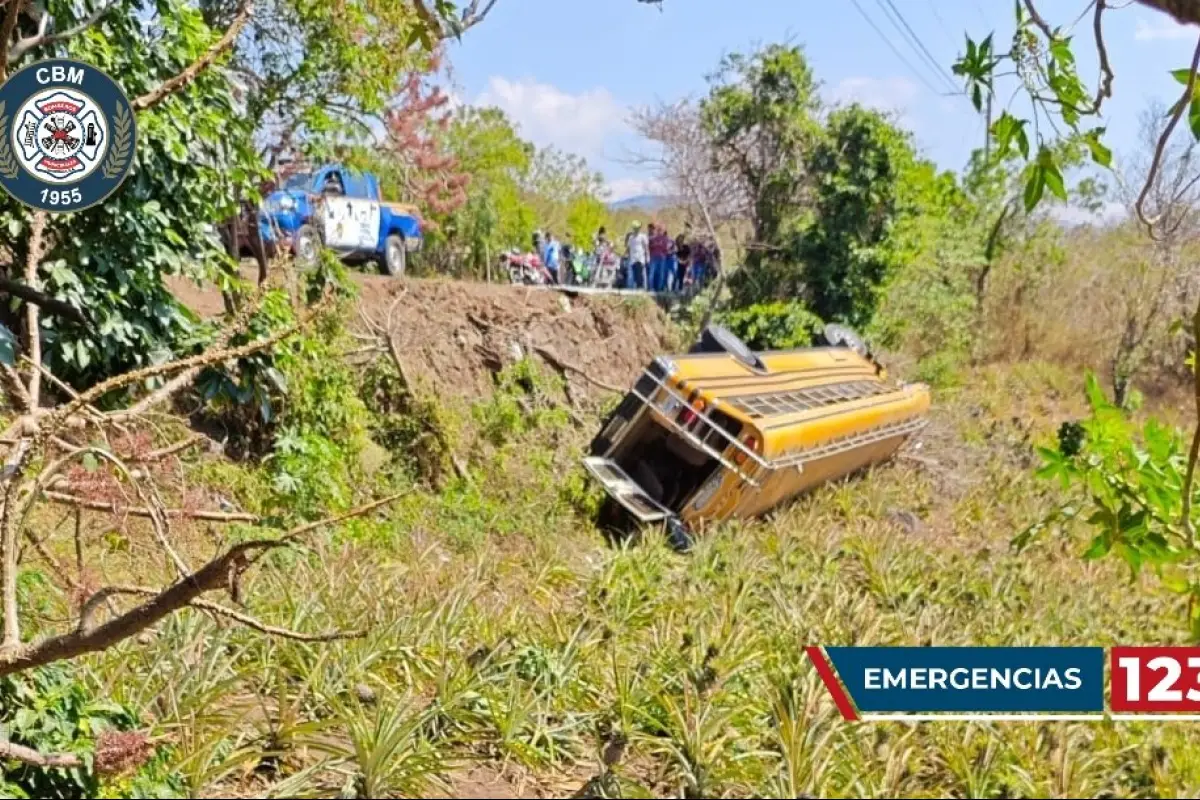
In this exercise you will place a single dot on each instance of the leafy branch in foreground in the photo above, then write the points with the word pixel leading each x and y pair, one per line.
pixel 47 440
pixel 1128 485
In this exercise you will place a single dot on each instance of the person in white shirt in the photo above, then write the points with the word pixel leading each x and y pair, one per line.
pixel 638 246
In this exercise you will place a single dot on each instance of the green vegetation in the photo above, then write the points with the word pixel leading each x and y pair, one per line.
pixel 477 631
pixel 773 326
pixel 503 631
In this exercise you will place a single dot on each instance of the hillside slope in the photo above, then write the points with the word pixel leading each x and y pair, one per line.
pixel 454 335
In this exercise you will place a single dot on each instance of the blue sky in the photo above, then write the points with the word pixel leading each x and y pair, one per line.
pixel 568 71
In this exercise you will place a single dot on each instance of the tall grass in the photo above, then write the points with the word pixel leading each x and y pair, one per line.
pixel 507 640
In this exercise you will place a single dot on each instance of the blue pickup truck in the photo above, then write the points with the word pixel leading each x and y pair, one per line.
pixel 341 209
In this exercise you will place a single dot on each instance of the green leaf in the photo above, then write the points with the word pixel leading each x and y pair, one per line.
pixel 1182 75
pixel 1054 180
pixel 1060 49
pixel 1101 154
pixel 1022 140
pixel 1194 116
pixel 1034 186
pixel 1098 549
pixel 1095 393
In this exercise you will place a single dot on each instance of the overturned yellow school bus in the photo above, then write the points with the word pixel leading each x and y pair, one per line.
pixel 723 432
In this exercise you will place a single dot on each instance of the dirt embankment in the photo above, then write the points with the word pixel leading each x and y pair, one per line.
pixel 454 335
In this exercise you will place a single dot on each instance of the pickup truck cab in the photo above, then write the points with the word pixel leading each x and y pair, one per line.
pixel 341 209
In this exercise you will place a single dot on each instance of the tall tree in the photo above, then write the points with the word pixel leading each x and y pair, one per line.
pixel 842 247
pixel 414 160
pixel 194 152
pixel 315 72
pixel 496 215
pixel 761 113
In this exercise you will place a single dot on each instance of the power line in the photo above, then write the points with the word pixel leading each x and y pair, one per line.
pixel 906 32
pixel 941 21
pixel 920 75
pixel 983 15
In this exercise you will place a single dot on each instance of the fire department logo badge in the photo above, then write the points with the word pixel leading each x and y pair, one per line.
pixel 67 135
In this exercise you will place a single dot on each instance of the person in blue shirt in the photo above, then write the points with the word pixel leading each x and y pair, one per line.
pixel 551 256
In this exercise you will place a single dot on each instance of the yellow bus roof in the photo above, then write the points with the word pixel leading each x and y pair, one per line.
pixel 803 397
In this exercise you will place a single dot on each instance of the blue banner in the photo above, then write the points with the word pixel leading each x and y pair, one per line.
pixel 1012 679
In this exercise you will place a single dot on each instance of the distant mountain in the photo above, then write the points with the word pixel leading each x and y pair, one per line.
pixel 649 202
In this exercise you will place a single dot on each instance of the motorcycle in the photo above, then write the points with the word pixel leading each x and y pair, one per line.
pixel 525 269
pixel 580 269
pixel 605 268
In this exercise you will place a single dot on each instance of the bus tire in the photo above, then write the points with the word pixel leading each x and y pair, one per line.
pixel 719 339
pixel 679 538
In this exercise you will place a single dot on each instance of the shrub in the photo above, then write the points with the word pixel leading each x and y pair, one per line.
pixel 48 710
pixel 1125 483
pixel 773 326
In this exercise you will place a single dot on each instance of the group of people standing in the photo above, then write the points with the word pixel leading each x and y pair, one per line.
pixel 653 260
pixel 659 263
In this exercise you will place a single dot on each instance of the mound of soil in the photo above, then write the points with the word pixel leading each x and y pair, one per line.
pixel 454 335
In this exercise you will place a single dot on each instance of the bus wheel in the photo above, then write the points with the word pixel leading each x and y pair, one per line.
pixel 719 339
pixel 678 536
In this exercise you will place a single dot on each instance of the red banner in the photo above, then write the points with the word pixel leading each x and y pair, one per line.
pixel 1155 679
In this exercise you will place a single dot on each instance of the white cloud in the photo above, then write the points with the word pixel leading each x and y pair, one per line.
pixel 885 94
pixel 624 188
pixel 578 123
pixel 1109 213
pixel 1162 27
pixel 454 101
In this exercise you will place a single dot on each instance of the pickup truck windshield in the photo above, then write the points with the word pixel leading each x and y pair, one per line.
pixel 301 180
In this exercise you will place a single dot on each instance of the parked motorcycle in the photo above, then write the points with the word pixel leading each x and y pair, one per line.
pixel 606 268
pixel 580 269
pixel 525 269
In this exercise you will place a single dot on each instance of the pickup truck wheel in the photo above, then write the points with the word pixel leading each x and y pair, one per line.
pixel 307 246
pixel 395 256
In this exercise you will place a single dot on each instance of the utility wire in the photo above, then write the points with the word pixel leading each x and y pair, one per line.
pixel 983 15
pixel 941 21
pixel 906 32
pixel 920 75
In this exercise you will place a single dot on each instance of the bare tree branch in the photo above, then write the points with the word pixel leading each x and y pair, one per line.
pixel 235 327
pixel 237 616
pixel 7 26
pixel 27 755
pixel 1176 114
pixel 169 450
pixel 86 638
pixel 192 71
pixel 444 28
pixel 1104 90
pixel 10 632
pixel 63 498
pixel 16 389
pixel 41 38
pixel 37 231
pixel 37 297
pixel 193 363
pixel 1038 19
